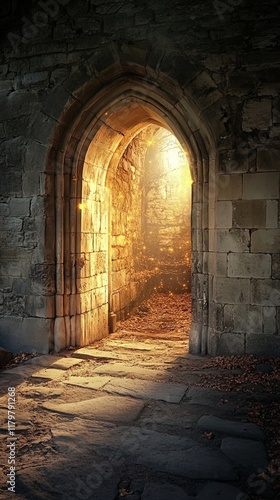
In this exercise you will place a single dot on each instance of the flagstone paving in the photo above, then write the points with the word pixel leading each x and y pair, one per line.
pixel 123 420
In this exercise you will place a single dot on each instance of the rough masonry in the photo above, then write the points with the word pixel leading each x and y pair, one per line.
pixel 80 81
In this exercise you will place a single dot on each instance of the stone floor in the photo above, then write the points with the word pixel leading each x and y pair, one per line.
pixel 125 419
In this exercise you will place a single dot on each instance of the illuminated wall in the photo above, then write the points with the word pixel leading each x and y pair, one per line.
pixel 167 194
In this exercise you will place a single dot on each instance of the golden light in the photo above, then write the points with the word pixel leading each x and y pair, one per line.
pixel 81 206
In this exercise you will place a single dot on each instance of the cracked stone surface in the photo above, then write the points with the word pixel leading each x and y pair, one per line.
pixel 249 456
pixel 163 492
pixel 171 393
pixel 106 408
pixel 129 425
pixel 124 370
pixel 60 363
pixel 220 491
pixel 94 383
pixel 240 429
pixel 162 452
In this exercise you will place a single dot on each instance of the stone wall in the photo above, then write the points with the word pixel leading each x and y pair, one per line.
pixel 127 243
pixel 78 80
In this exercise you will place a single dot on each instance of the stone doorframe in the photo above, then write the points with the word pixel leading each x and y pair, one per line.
pixel 80 123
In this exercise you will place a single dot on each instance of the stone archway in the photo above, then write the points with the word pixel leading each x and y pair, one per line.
pixel 116 111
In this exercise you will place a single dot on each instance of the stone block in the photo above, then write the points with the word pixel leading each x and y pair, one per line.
pixel 217 263
pixel 26 334
pixel 227 344
pixel 35 155
pixel 4 209
pixel 229 240
pixel 249 265
pixel 223 214
pixel 231 428
pixel 2 131
pixel 20 207
pixel 257 114
pixel 247 319
pixel 272 214
pixel 275 266
pixel 34 78
pixel 260 186
pixel 247 454
pixel 231 290
pixel 164 491
pixel 263 345
pixel 40 306
pixel 219 491
pixel 30 184
pixel 249 214
pixel 268 160
pixel 265 292
pixel 269 321
pixel 5 357
pixel 13 268
pixel 10 183
pixel 265 240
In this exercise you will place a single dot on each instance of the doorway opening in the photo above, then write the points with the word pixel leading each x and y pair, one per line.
pixel 149 244
pixel 133 178
pixel 135 228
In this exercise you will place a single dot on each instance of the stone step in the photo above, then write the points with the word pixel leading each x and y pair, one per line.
pixel 157 451
pixel 140 389
pixel 126 370
pixel 239 429
pixel 61 363
pixel 104 408
pixel 248 455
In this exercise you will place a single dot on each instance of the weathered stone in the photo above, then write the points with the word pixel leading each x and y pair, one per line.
pixel 61 363
pixel 171 393
pixel 276 266
pixel 229 187
pixel 161 452
pixel 257 114
pixel 23 334
pixel 269 320
pixel 5 357
pixel 122 369
pixel 104 408
pixel 249 265
pixel 205 397
pixel 34 78
pixel 248 455
pixel 225 344
pixel 265 240
pixel 164 491
pixel 48 374
pixel 239 429
pixel 229 240
pixel 223 214
pixel 220 491
pixel 272 211
pixel 249 214
pixel 267 159
pixel 245 318
pixel 94 383
pixel 261 186
pixel 91 352
pixel 231 290
pixel 265 292
pixel 263 345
